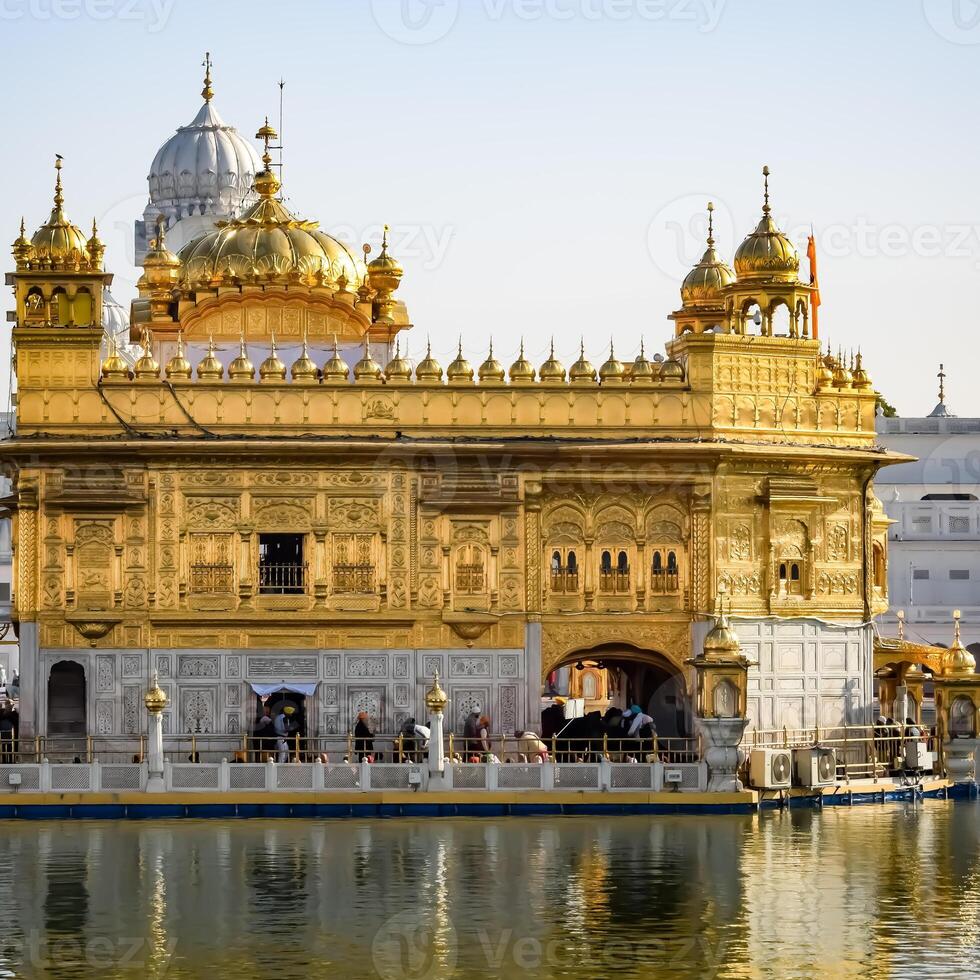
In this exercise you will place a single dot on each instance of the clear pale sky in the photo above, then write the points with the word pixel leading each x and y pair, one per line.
pixel 545 163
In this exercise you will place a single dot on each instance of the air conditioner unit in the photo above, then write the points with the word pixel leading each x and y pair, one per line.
pixel 918 756
pixel 771 768
pixel 673 776
pixel 815 766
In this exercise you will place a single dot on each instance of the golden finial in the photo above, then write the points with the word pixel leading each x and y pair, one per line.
pixel 178 366
pixel 23 227
pixel 901 623
pixel 711 224
pixel 436 698
pixel 521 370
pixel 335 371
pixel 208 92
pixel 384 241
pixel 59 198
pixel 942 384
pixel 266 183
pixel 765 207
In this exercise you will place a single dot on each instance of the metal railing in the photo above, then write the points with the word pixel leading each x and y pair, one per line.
pixel 212 578
pixel 353 579
pixel 277 579
pixel 664 583
pixel 564 579
pixel 615 581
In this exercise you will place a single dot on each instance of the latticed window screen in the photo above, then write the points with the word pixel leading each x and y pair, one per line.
pixel 471 571
pixel 212 563
pixel 959 525
pixel 353 564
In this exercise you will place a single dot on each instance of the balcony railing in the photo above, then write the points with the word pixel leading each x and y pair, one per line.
pixel 277 579
pixel 615 581
pixel 564 579
pixel 212 578
pixel 353 579
pixel 664 583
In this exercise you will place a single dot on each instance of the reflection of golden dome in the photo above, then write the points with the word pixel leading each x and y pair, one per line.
pixel 491 369
pixel 335 371
pixel 398 369
pixel 304 371
pixel 703 285
pixel 613 370
pixel 210 368
pixel 460 371
pixel 582 370
pixel 551 372
pixel 522 371
pixel 178 367
pixel 428 368
pixel 272 369
pixel 241 368
pixel 671 370
pixel 767 252
pixel 643 371
pixel 58 243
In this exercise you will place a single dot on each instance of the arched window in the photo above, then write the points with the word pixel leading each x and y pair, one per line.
pixel 564 571
pixel 658 563
pixel 725 699
pixel 878 566
pixel 962 718
pixel 622 562
pixel 794 572
pixel 671 563
pixel 590 687
pixel 782 572
pixel 606 561
pixel 614 579
pixel 81 307
pixel 556 562
pixel 572 562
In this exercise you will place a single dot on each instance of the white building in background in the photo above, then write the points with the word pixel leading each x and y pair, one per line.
pixel 934 542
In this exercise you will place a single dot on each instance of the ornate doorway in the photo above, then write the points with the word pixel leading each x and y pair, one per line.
pixel 66 700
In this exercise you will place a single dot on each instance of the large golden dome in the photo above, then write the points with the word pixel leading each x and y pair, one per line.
pixel 767 252
pixel 268 243
pixel 58 243
pixel 703 285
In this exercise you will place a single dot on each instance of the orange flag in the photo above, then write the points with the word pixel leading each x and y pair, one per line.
pixel 811 254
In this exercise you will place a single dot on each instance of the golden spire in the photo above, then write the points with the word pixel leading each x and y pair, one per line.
pixel 384 277
pixel 428 369
pixel 147 368
pixel 114 367
pixel 335 371
pixel 460 371
pixel 957 659
pixel 643 371
pixel 711 224
pixel 22 248
pixel 582 370
pixel 59 197
pixel 178 367
pixel 241 368
pixel 522 371
pixel 942 384
pixel 272 369
pixel 765 176
pixel 304 370
pixel 266 183
pixel 491 369
pixel 367 369
pixel 552 370
pixel 207 93
pixel 398 369
pixel 210 368
pixel 612 371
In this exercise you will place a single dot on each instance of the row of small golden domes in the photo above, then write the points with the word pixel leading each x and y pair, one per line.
pixel 842 372
pixel 58 245
pixel 399 369
pixel 764 253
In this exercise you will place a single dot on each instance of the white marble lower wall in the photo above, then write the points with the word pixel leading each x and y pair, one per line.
pixel 809 672
pixel 210 692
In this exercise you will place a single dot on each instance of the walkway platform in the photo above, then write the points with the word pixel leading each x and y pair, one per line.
pixel 398 803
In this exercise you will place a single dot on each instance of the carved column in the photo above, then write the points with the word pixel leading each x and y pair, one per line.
pixel 246 586
pixel 320 584
pixel 701 598
pixel 532 544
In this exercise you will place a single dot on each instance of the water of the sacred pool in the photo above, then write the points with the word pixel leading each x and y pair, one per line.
pixel 874 891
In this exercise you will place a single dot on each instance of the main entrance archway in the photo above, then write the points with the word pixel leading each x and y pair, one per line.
pixel 66 699
pixel 620 675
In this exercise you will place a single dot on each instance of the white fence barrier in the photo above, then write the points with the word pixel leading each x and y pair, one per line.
pixel 602 777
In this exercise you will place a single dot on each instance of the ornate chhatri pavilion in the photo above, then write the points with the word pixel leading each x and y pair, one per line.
pixel 273 495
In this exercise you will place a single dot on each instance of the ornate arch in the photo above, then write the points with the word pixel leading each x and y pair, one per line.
pixel 565 642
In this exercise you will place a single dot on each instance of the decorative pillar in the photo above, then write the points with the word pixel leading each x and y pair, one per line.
pixel 957 689
pixel 435 702
pixel 721 682
pixel 155 700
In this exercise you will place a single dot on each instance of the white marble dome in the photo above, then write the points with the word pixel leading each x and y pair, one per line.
pixel 206 166
pixel 115 323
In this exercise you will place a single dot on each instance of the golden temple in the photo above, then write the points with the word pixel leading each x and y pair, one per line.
pixel 272 492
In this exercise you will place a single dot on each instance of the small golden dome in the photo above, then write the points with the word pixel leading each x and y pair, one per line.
pixel 522 371
pixel 159 256
pixel 398 369
pixel 436 698
pixel 721 642
pixel 367 369
pixel 460 371
pixel 384 265
pixel 582 369
pixel 613 370
pixel 703 285
pixel 210 368
pixel 95 248
pixel 860 377
pixel 491 369
pixel 155 698
pixel 643 371
pixel 178 367
pixel 58 243
pixel 272 369
pixel 671 370
pixel 241 368
pixel 552 371
pixel 23 250
pixel 825 376
pixel 384 276
pixel 335 371
pixel 147 367
pixel 842 376
pixel 428 369
pixel 958 661
pixel 304 371
pixel 114 367
pixel 767 253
